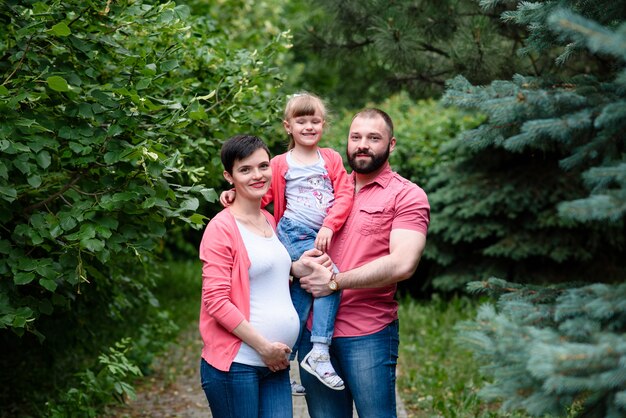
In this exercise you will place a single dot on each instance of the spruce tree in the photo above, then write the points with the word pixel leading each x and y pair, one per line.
pixel 549 167
pixel 536 193
pixel 552 350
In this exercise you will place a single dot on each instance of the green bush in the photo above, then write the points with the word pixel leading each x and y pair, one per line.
pixel 111 121
pixel 113 381
pixel 111 118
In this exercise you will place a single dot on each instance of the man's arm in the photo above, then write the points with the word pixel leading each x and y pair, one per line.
pixel 405 251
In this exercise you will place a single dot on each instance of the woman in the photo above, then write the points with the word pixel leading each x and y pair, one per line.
pixel 247 320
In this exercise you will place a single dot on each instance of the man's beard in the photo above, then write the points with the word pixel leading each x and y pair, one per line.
pixel 367 167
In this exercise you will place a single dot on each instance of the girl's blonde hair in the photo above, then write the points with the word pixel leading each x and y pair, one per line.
pixel 303 104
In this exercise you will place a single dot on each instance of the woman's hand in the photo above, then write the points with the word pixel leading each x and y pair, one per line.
pixel 275 356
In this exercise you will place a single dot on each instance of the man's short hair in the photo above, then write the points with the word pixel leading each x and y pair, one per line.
pixel 372 112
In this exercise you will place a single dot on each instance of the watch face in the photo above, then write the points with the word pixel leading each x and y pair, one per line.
pixel 332 285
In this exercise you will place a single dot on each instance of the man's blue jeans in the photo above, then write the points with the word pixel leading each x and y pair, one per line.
pixel 247 391
pixel 298 238
pixel 367 365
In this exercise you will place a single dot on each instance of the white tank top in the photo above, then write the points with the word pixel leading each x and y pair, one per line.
pixel 271 311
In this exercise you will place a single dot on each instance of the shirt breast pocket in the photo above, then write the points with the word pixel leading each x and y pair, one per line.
pixel 372 219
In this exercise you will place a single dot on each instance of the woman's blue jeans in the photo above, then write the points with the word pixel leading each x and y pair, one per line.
pixel 367 365
pixel 298 238
pixel 247 391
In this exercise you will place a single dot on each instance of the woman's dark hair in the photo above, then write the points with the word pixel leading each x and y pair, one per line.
pixel 239 147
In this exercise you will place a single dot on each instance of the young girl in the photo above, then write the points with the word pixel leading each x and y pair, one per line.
pixel 312 198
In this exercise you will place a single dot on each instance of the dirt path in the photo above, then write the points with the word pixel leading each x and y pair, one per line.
pixel 174 391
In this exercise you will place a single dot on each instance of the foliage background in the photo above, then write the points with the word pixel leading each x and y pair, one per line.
pixel 112 115
pixel 110 125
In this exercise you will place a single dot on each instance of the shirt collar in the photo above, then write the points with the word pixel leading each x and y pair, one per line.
pixel 382 179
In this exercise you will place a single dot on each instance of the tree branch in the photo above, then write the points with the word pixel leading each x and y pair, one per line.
pixel 19 64
pixel 73 181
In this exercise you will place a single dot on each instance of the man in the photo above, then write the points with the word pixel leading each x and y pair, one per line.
pixel 380 244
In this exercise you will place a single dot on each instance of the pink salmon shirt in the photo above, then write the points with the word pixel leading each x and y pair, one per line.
pixel 388 202
pixel 225 288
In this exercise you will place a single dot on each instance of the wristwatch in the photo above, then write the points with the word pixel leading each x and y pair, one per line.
pixel 332 284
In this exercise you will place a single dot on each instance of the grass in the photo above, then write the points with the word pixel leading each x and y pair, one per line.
pixel 437 377
pixel 178 290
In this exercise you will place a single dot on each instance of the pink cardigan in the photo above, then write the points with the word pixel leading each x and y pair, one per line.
pixel 225 288
pixel 342 185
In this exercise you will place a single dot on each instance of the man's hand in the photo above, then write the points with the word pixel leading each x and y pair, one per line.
pixel 324 236
pixel 312 257
pixel 227 198
pixel 316 282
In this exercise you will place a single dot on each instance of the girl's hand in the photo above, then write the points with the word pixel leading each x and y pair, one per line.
pixel 324 236
pixel 227 198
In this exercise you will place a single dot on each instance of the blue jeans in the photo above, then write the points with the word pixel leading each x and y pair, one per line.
pixel 298 238
pixel 246 391
pixel 367 365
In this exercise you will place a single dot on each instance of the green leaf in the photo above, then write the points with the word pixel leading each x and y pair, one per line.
pixel 86 231
pixel 48 284
pixel 85 110
pixel 47 271
pixel 149 202
pixel 57 83
pixel 44 159
pixel 3 91
pixel 8 193
pixel 103 231
pixel 67 221
pixel 198 114
pixel 197 219
pixel 109 222
pixel 92 244
pixel 34 181
pixel 61 29
pixel 123 197
pixel 190 204
pixel 23 166
pixel 115 130
pixel 23 278
pixel 143 83
pixel 210 195
pixel 169 65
